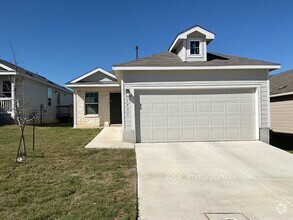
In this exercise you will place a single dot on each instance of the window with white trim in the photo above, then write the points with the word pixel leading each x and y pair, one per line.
pixel 49 96
pixel 194 47
pixel 91 103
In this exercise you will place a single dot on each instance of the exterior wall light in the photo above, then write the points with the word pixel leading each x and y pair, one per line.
pixel 127 92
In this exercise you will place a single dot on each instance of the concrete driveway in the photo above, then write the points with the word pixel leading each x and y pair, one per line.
pixel 215 180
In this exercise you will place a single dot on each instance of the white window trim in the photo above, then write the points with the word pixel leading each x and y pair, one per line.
pixel 91 115
pixel 49 88
pixel 200 47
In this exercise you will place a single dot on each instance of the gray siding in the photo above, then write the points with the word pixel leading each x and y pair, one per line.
pixel 33 94
pixel 133 79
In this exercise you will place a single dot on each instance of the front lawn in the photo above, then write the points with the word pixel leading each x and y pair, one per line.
pixel 69 182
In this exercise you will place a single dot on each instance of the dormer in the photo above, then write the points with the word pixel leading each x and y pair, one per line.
pixel 191 44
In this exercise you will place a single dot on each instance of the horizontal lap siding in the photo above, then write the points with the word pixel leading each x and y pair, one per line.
pixel 282 115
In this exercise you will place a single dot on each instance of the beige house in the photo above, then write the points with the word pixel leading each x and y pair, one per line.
pixel 24 92
pixel 183 94
pixel 282 102
pixel 97 98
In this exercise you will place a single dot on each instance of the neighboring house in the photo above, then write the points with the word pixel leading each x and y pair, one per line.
pixel 282 102
pixel 183 94
pixel 23 92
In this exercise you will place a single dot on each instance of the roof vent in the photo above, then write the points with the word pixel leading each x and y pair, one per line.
pixel 282 87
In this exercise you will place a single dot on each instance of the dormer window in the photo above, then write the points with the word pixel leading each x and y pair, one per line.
pixel 194 47
pixel 191 45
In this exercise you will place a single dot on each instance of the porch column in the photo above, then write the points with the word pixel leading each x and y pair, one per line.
pixel 74 110
pixel 13 101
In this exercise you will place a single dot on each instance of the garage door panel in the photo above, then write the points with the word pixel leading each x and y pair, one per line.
pixel 159 135
pixel 247 134
pixel 202 107
pixel 248 121
pixel 188 135
pixel 247 107
pixel 218 134
pixel 195 115
pixel 158 108
pixel 146 122
pixel 173 121
pixel 233 120
pixel 188 108
pixel 173 108
pixel 218 107
pixel 173 135
pixel 233 134
pixel 203 134
pixel 218 121
pixel 188 121
pixel 203 121
pixel 159 122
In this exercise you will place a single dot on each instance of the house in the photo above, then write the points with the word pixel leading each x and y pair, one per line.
pixel 281 90
pixel 183 94
pixel 24 93
pixel 97 99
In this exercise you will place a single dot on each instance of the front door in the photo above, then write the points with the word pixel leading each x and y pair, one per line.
pixel 115 108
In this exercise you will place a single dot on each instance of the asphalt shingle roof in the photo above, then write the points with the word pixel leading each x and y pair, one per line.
pixel 213 59
pixel 281 82
pixel 29 73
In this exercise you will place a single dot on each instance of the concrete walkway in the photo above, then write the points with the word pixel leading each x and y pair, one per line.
pixel 207 181
pixel 109 137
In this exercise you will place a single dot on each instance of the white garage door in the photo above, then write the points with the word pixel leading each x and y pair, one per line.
pixel 195 115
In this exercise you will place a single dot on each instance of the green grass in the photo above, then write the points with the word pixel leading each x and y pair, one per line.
pixel 68 182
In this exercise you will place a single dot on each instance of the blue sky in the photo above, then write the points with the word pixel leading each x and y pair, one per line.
pixel 65 38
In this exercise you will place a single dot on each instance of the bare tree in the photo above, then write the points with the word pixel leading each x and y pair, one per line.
pixel 19 109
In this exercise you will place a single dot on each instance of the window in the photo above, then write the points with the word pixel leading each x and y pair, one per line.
pixel 194 47
pixel 7 89
pixel 49 96
pixel 91 103
pixel 58 98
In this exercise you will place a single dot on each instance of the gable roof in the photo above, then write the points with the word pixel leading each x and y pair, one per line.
pixel 9 67
pixel 196 28
pixel 281 83
pixel 169 59
pixel 78 83
pixel 99 69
